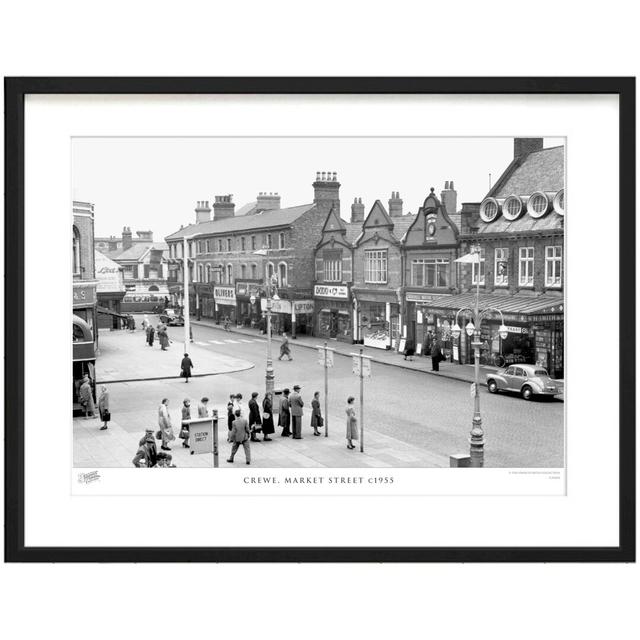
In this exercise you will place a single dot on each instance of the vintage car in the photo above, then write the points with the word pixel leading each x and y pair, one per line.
pixel 526 379
pixel 172 318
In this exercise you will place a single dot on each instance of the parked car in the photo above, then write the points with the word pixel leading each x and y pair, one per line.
pixel 171 318
pixel 526 379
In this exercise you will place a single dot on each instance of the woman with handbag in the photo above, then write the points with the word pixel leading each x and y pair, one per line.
pixel 352 423
pixel 184 427
pixel 103 407
pixel 185 367
pixel 164 422
pixel 255 421
pixel 267 417
pixel 316 415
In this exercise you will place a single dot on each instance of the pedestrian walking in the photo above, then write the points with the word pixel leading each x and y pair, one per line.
pixel 227 323
pixel 103 407
pixel 184 426
pixel 163 336
pixel 203 410
pixel 296 404
pixel 185 367
pixel 436 355
pixel 352 423
pixel 86 398
pixel 231 412
pixel 409 350
pixel 125 322
pixel 255 421
pixel 151 333
pixel 164 424
pixel 267 416
pixel 239 435
pixel 285 349
pixel 284 418
pixel 132 323
pixel 316 414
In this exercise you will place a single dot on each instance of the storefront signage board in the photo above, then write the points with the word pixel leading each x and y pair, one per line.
pixel 329 291
pixel 303 306
pixel 224 295
pixel 277 306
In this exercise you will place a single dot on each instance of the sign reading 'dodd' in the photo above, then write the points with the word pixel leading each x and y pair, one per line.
pixel 328 291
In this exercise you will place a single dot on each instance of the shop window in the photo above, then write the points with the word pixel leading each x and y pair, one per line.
pixel 501 268
pixel 553 266
pixel 525 278
pixel 332 266
pixel 430 273
pixel 282 274
pixel 281 241
pixel 477 269
pixel 76 251
pixel 375 266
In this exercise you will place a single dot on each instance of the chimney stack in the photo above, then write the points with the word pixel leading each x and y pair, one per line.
pixel 357 210
pixel 223 207
pixel 449 197
pixel 326 192
pixel 127 241
pixel 395 204
pixel 523 146
pixel 267 201
pixel 203 211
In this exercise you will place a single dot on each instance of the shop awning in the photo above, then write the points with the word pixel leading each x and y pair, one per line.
pixel 108 312
pixel 517 304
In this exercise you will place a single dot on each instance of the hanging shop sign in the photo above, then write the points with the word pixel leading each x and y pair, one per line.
pixel 511 329
pixel 224 295
pixel 329 291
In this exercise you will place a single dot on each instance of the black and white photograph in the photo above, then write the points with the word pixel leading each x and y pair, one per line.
pixel 318 302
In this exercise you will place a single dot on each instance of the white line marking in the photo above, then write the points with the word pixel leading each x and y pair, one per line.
pixel 202 344
pixel 233 341
pixel 243 340
pixel 215 342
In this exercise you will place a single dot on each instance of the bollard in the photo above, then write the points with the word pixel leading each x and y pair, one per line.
pixel 460 460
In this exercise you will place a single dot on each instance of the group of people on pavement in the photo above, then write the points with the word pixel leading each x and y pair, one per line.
pixel 85 396
pixel 160 333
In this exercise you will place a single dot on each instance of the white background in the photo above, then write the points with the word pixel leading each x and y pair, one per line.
pixel 327 39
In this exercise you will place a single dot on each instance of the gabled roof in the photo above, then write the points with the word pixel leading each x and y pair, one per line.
pixel 263 220
pixel 354 229
pixel 537 171
pixel 401 224
pixel 377 217
pixel 333 222
pixel 137 251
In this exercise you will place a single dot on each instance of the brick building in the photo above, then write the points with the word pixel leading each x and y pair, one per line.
pixel 519 231
pixel 225 270
pixel 84 322
pixel 377 275
pixel 430 248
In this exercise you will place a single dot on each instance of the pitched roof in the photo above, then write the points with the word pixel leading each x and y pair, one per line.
pixel 263 220
pixel 551 221
pixel 401 224
pixel 354 229
pixel 537 171
pixel 136 251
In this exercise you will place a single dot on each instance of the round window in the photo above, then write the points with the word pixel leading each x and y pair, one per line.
pixel 538 205
pixel 512 207
pixel 558 202
pixel 489 210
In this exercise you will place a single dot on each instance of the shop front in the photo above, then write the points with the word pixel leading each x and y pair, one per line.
pixel 206 306
pixel 424 323
pixel 378 319
pixel 280 316
pixel 302 317
pixel 225 299
pixel 333 312
pixel 248 312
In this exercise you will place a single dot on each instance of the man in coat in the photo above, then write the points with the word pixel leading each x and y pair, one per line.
pixel 284 416
pixel 296 404
pixel 436 355
pixel 239 435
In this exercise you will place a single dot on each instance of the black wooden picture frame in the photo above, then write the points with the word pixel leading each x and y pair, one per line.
pixel 15 91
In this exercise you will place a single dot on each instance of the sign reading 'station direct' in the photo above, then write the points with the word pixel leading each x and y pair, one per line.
pixel 201 435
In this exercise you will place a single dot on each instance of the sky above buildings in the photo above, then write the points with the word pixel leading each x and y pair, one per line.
pixel 154 183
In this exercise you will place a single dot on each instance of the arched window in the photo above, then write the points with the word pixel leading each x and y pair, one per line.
pixel 270 270
pixel 254 271
pixel 229 274
pixel 219 274
pixel 153 288
pixel 281 240
pixel 282 274
pixel 76 250
pixel 208 272
pixel 200 273
pixel 243 271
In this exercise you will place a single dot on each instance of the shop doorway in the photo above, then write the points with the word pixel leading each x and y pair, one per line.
pixel 333 325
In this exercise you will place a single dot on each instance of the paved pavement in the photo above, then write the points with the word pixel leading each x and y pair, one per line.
pixel 411 418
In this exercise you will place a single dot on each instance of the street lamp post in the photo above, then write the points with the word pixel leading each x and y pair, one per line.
pixel 185 270
pixel 270 289
pixel 472 329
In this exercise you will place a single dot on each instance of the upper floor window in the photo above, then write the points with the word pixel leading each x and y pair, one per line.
pixel 229 274
pixel 208 272
pixel 128 272
pixel 477 269
pixel 525 270
pixel 242 243
pixel 229 245
pixel 269 241
pixel 219 275
pixel 219 246
pixel 253 243
pixel 501 267
pixel 179 250
pixel 243 270
pixel 281 240
pixel 332 266
pixel 207 246
pixel 430 273
pixel 76 251
pixel 553 266
pixel 270 270
pixel 200 273
pixel 254 271
pixel 375 266
pixel 282 274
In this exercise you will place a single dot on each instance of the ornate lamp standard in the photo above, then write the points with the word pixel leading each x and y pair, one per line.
pixel 476 439
pixel 270 289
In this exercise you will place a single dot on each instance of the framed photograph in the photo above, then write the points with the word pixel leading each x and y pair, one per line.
pixel 320 319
